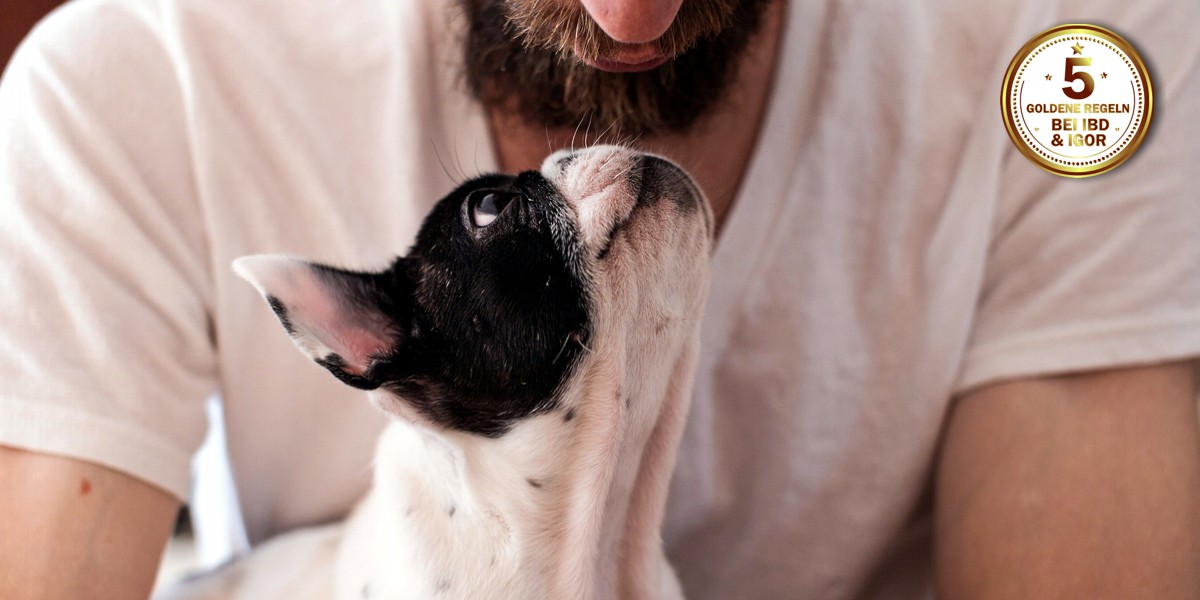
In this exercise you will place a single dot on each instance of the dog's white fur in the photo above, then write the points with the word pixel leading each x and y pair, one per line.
pixel 569 503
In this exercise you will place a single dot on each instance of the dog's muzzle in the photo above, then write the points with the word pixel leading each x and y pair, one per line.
pixel 606 185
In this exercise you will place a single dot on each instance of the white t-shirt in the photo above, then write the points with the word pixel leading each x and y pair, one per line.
pixel 889 249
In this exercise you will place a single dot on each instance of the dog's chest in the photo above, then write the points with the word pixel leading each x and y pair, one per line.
pixel 443 522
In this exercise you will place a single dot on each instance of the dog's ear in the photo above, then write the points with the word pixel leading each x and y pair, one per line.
pixel 344 320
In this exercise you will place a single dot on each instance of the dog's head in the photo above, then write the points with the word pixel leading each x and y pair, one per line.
pixel 507 289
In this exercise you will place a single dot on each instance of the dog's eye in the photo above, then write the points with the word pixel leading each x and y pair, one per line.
pixel 486 207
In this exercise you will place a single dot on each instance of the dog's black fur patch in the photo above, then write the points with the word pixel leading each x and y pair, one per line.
pixel 337 366
pixel 281 312
pixel 481 317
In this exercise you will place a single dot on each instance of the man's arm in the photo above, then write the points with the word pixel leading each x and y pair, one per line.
pixel 72 529
pixel 1082 486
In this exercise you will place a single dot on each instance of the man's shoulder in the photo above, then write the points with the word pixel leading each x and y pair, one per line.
pixel 87 33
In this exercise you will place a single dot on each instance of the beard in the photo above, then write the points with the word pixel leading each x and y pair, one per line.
pixel 523 57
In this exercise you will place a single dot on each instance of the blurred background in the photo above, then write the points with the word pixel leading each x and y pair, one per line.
pixel 17 17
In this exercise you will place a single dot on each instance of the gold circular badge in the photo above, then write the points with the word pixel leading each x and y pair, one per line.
pixel 1077 100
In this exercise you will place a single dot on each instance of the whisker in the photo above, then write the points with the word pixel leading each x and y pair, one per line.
pixel 458 158
pixel 455 180
pixel 579 340
pixel 560 350
pixel 576 132
pixel 608 129
pixel 574 336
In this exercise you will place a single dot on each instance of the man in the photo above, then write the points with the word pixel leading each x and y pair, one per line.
pixel 927 365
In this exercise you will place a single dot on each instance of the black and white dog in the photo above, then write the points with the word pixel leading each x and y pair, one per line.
pixel 535 349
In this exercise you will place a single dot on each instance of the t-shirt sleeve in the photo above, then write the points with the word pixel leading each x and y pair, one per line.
pixel 105 347
pixel 1103 272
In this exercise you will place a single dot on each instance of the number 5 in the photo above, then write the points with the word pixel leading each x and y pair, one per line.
pixel 1088 83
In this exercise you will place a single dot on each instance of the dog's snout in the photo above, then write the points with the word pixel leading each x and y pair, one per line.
pixel 565 160
pixel 605 185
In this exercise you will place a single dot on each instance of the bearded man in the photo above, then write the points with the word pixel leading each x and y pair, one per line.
pixel 927 366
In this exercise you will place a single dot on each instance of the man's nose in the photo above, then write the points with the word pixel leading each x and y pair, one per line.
pixel 633 21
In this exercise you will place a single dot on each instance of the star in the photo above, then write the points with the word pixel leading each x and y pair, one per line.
pixel 1104 76
pixel 1077 48
pixel 1047 77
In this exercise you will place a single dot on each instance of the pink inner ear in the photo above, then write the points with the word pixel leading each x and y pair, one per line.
pixel 350 332
pixel 359 346
pixel 323 320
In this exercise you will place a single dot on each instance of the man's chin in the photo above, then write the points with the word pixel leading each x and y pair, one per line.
pixel 625 58
pixel 622 66
pixel 636 89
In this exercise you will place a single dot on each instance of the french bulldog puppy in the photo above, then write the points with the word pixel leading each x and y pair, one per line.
pixel 535 350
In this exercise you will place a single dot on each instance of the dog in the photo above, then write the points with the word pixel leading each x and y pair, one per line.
pixel 535 351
